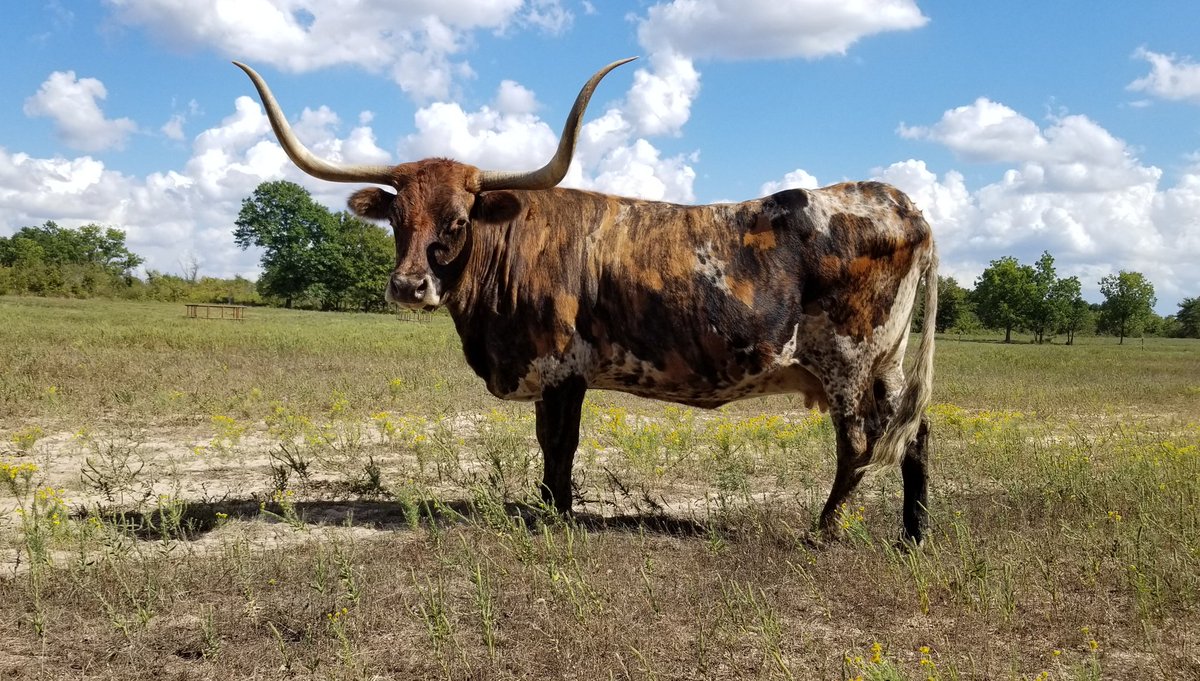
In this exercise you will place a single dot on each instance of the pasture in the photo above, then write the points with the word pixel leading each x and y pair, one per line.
pixel 317 496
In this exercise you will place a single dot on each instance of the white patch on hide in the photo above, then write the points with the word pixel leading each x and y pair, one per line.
pixel 787 354
pixel 548 371
pixel 712 268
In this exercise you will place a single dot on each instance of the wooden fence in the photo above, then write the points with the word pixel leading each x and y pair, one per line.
pixel 414 316
pixel 213 311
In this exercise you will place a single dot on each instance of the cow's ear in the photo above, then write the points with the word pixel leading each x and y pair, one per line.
pixel 495 207
pixel 373 203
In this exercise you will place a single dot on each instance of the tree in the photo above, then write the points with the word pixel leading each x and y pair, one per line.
pixel 1079 315
pixel 1003 295
pixel 365 256
pixel 1188 318
pixel 1128 302
pixel 311 253
pixel 90 245
pixel 1047 304
pixel 52 260
pixel 952 304
pixel 282 218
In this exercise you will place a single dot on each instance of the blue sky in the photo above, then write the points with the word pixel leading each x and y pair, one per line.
pixel 1018 127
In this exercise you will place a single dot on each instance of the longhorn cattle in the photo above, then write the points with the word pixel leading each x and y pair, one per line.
pixel 554 291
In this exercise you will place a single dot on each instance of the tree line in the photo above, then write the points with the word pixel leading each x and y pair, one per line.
pixel 1013 297
pixel 312 258
pixel 315 258
pixel 93 261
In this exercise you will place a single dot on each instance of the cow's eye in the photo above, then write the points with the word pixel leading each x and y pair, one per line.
pixel 455 225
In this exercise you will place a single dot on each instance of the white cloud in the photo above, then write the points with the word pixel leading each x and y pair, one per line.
pixel 548 15
pixel 638 169
pixel 192 209
pixel 982 131
pixel 676 33
pixel 1172 78
pixel 797 179
pixel 1074 189
pixel 72 104
pixel 609 156
pixel 660 100
pixel 415 41
pixel 758 29
pixel 1072 153
pixel 173 128
pixel 514 98
pixel 1133 223
pixel 487 138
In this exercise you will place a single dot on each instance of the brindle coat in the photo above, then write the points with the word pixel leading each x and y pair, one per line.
pixel 555 291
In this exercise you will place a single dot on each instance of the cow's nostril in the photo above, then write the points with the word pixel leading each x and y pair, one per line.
pixel 419 291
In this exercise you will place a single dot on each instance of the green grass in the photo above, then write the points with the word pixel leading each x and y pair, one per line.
pixel 306 495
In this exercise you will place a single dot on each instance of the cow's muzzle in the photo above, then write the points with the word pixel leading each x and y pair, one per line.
pixel 414 292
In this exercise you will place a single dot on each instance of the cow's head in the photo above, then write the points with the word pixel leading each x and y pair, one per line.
pixel 432 203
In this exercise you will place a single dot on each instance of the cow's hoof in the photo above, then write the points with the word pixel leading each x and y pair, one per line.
pixel 909 544
pixel 820 538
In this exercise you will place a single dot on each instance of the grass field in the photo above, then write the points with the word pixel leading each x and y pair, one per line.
pixel 306 495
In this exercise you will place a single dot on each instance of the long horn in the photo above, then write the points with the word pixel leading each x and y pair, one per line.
pixel 553 172
pixel 300 155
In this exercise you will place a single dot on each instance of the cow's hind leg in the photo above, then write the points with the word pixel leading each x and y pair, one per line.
pixel 558 414
pixel 851 459
pixel 912 470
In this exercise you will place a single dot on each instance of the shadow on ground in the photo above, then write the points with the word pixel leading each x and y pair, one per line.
pixel 192 520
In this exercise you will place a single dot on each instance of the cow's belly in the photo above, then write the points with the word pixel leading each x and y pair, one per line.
pixel 698 390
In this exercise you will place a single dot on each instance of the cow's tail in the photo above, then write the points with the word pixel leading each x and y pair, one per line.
pixel 906 421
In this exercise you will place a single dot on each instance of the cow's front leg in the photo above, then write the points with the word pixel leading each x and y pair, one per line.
pixel 558 415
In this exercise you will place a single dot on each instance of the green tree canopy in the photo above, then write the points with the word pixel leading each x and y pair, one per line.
pixel 1188 318
pixel 952 304
pixel 282 218
pixel 1003 295
pixel 1076 315
pixel 1046 308
pixel 1128 303
pixel 309 252
pixel 59 246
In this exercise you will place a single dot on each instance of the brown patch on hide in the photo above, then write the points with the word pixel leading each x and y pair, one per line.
pixel 566 309
pixel 761 237
pixel 742 290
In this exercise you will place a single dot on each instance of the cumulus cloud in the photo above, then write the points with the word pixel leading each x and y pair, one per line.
pixel 73 104
pixel 514 98
pixel 1072 153
pixel 660 100
pixel 639 169
pixel 797 179
pixel 548 15
pixel 1073 189
pixel 757 29
pixel 173 128
pixel 679 32
pixel 190 209
pixel 610 156
pixel 415 41
pixel 488 138
pixel 1172 78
